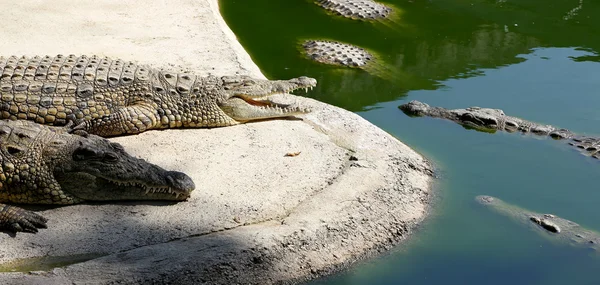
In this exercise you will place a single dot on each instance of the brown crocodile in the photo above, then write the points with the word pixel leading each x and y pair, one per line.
pixel 110 97
pixel 48 165
pixel 492 120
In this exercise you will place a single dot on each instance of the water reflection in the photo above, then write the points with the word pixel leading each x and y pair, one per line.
pixel 429 44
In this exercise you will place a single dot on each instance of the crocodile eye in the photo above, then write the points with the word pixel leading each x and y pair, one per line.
pixel 84 153
pixel 111 157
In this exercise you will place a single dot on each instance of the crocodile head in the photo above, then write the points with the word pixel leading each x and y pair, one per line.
pixel 91 168
pixel 480 119
pixel 483 119
pixel 247 99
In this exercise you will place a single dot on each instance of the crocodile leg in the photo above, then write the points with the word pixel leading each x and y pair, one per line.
pixel 128 120
pixel 20 220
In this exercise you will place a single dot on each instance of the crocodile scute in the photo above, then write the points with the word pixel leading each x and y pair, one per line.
pixel 356 9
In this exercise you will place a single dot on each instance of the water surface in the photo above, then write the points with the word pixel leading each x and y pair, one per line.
pixel 538 60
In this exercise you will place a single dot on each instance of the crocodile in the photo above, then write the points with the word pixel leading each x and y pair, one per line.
pixel 111 97
pixel 336 53
pixel 492 120
pixel 42 164
pixel 548 225
pixel 356 9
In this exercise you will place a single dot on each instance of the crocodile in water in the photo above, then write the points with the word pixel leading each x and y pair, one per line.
pixel 336 53
pixel 548 225
pixel 114 97
pixel 491 120
pixel 48 165
pixel 356 9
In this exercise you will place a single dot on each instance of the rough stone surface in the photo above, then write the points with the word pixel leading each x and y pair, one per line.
pixel 356 9
pixel 336 53
pixel 256 216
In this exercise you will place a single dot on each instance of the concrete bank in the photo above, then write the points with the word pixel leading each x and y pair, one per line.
pixel 256 216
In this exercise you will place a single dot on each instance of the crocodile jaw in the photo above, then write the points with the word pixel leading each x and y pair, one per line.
pixel 91 168
pixel 247 109
pixel 89 187
pixel 170 185
pixel 247 99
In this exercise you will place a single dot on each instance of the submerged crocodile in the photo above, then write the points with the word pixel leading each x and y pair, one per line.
pixel 548 225
pixel 491 120
pixel 356 9
pixel 336 53
pixel 48 165
pixel 114 97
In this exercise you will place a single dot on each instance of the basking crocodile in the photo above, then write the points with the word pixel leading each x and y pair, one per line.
pixel 548 225
pixel 491 120
pixel 113 97
pixel 48 165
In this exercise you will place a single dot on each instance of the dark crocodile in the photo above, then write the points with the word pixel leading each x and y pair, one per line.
pixel 48 165
pixel 113 97
pixel 548 225
pixel 492 120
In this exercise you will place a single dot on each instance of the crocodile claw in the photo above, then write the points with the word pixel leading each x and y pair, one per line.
pixel 78 129
pixel 20 220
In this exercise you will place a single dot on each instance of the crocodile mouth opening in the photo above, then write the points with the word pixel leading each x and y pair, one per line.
pixel 253 102
pixel 260 101
pixel 246 108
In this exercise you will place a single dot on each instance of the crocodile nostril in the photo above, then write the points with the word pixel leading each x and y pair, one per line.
pixel 180 180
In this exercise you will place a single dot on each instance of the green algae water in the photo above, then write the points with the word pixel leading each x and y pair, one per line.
pixel 538 60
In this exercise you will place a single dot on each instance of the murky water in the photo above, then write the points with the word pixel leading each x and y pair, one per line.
pixel 538 60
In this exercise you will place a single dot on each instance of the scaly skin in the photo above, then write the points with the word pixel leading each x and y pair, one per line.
pixel 336 53
pixel 356 9
pixel 492 120
pixel 47 165
pixel 113 97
